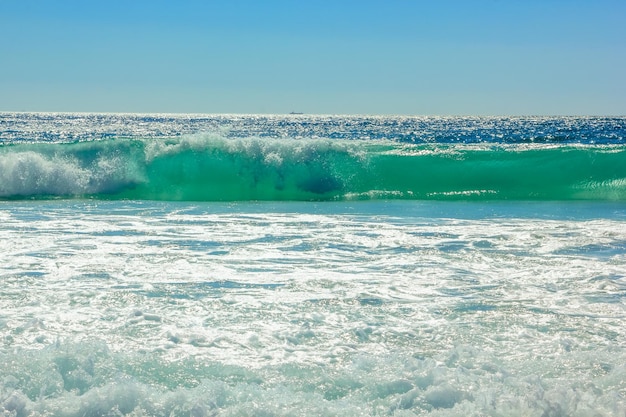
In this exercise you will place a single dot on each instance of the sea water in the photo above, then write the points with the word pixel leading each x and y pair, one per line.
pixel 194 265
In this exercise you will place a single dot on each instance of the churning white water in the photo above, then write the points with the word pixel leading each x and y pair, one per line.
pixel 353 308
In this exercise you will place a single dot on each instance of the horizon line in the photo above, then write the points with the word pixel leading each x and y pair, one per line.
pixel 304 114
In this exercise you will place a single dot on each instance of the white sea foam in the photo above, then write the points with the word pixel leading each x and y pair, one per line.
pixel 380 308
pixel 41 175
pixel 31 173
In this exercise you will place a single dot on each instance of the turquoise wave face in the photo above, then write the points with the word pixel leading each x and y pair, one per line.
pixel 213 168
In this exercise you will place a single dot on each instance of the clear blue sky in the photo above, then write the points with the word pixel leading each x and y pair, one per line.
pixel 445 57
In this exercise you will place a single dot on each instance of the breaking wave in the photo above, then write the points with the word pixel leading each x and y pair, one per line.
pixel 215 168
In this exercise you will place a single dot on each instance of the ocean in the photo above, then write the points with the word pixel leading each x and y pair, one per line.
pixel 302 265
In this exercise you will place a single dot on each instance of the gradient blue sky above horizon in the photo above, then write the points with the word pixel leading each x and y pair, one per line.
pixel 448 57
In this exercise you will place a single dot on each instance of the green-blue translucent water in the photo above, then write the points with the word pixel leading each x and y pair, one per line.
pixel 206 168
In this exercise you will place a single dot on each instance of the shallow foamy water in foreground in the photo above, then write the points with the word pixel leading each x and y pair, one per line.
pixel 351 308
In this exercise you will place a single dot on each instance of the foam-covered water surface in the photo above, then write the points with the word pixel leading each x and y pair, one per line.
pixel 337 308
pixel 268 265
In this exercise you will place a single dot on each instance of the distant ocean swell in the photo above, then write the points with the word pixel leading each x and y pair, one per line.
pixel 214 168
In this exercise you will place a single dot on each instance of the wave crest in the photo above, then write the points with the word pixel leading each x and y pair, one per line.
pixel 215 168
